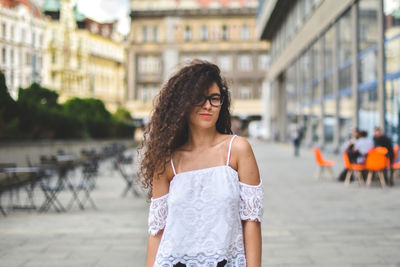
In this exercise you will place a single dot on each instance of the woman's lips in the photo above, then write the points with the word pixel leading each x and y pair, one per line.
pixel 205 115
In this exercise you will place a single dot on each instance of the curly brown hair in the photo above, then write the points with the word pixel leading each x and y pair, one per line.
pixel 168 126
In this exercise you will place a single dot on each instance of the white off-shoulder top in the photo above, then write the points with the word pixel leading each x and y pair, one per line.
pixel 202 217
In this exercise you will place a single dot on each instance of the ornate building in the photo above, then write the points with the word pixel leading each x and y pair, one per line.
pixel 22 29
pixel 84 58
pixel 166 33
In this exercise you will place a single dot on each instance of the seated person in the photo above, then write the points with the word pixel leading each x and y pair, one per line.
pixel 362 146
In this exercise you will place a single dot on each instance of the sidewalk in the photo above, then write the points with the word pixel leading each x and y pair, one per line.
pixel 307 222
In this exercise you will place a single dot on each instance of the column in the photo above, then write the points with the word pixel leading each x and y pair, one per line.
pixel 336 133
pixel 355 66
pixel 381 68
pixel 321 88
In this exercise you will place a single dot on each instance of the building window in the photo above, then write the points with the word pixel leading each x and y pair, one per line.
pixel 12 57
pixel 149 64
pixel 27 59
pixel 53 58
pixel 244 92
pixel 188 33
pixel 23 35
pixel 225 62
pixel 245 62
pixel 204 33
pixel 245 32
pixel 53 36
pixel 33 39
pixel 264 62
pixel 144 33
pixel 4 55
pixel 12 78
pixel 3 30
pixel 41 43
pixel 225 33
pixel 155 34
pixel 12 32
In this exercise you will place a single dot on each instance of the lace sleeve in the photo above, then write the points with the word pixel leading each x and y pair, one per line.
pixel 251 202
pixel 158 214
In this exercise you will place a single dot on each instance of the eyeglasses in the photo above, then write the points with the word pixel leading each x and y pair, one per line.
pixel 215 100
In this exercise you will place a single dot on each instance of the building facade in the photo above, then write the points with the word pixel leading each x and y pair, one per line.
pixel 83 58
pixel 334 67
pixel 22 46
pixel 165 34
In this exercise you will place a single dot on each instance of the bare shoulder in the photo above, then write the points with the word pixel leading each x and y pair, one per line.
pixel 161 180
pixel 241 145
pixel 245 161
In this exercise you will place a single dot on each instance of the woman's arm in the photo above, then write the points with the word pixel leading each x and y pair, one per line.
pixel 152 247
pixel 249 175
pixel 160 189
pixel 252 243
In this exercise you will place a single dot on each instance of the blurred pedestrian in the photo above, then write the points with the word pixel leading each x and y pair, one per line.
pixel 297 136
pixel 207 196
pixel 381 140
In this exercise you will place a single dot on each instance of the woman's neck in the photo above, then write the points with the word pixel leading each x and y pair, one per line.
pixel 201 138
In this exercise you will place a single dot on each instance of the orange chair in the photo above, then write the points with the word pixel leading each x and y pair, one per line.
pixel 352 168
pixel 322 163
pixel 377 162
pixel 395 152
pixel 395 168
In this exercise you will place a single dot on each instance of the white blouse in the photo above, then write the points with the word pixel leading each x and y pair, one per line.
pixel 201 217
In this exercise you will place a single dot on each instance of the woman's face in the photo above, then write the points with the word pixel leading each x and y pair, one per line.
pixel 206 113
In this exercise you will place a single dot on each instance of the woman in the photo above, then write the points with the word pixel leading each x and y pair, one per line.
pixel 207 197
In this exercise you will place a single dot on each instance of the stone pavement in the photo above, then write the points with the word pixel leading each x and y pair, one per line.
pixel 307 222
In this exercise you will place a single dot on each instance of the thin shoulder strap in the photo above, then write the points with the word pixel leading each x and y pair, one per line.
pixel 229 151
pixel 173 167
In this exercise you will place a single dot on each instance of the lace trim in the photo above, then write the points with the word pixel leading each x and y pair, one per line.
pixel 201 260
pixel 251 202
pixel 158 214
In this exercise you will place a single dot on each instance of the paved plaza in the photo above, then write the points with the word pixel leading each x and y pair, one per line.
pixel 307 222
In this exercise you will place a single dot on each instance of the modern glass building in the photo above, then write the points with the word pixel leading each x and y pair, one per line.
pixel 335 65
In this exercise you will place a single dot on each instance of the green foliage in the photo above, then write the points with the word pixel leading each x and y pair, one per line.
pixel 122 115
pixel 36 95
pixel 8 107
pixel 37 115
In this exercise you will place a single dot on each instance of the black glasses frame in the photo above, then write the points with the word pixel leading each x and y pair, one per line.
pixel 205 98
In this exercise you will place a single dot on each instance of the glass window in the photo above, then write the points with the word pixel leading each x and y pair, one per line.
pixel 225 62
pixel 3 55
pixel 155 34
pixel 344 45
pixel 264 61
pixel 368 21
pixel 204 33
pixel 4 30
pixel 328 42
pixel 224 33
pixel 27 59
pixel 245 62
pixel 245 32
pixel 144 33
pixel 12 29
pixel 244 92
pixel 12 56
pixel 188 33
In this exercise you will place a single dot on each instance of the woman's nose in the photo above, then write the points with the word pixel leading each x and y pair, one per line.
pixel 207 104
